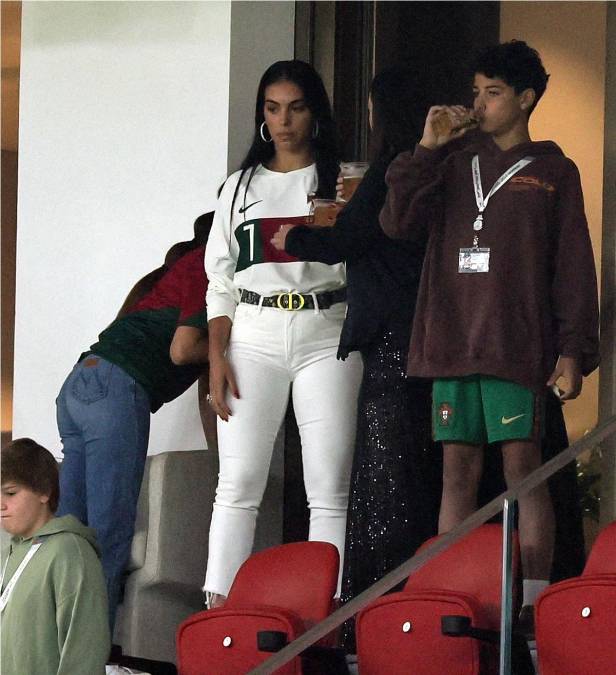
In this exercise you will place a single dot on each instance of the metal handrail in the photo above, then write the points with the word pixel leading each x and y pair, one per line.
pixel 506 623
pixel 394 577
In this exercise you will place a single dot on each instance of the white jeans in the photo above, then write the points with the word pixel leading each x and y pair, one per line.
pixel 269 350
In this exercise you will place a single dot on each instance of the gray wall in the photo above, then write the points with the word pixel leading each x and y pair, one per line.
pixel 261 33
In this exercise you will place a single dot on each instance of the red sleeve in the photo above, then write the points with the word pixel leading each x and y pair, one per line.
pixel 182 288
pixel 189 275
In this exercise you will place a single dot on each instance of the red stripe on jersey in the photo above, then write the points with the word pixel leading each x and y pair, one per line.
pixel 268 227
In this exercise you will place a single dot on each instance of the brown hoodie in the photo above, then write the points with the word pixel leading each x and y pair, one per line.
pixel 539 298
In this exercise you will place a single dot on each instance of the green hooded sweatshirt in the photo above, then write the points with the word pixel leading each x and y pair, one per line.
pixel 55 622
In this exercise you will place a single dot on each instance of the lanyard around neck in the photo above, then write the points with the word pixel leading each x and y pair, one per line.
pixel 6 594
pixel 482 201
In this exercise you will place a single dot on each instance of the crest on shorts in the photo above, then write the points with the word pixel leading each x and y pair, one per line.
pixel 445 413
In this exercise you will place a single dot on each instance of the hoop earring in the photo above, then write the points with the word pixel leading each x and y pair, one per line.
pixel 315 131
pixel 261 131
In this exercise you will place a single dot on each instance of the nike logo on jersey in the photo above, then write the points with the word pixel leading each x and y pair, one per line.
pixel 243 209
pixel 509 420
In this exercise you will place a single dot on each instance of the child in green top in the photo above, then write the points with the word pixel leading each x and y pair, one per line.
pixel 54 600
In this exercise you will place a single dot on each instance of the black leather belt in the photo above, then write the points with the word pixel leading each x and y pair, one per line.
pixel 293 301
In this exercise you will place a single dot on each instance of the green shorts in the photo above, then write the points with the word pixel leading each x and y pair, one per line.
pixel 479 409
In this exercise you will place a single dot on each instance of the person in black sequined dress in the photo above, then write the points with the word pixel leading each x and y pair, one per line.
pixel 396 477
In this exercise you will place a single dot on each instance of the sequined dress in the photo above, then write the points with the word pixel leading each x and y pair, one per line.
pixel 396 478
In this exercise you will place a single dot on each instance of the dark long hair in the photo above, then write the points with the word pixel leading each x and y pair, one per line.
pixel 398 111
pixel 324 146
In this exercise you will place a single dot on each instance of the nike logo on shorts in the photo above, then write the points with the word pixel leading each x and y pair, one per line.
pixel 242 209
pixel 509 420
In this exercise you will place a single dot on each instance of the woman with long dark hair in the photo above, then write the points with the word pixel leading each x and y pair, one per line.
pixel 274 324
pixel 396 478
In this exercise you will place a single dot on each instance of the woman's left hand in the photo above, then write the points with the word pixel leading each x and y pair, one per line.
pixel 279 239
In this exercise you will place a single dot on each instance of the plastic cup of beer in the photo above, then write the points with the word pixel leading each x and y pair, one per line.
pixel 352 174
pixel 444 124
pixel 323 212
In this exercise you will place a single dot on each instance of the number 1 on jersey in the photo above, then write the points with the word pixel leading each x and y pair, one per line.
pixel 251 230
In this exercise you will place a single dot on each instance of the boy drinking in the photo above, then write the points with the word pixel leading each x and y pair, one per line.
pixel 507 304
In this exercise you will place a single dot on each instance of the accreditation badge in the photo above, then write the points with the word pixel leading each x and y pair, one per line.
pixel 473 260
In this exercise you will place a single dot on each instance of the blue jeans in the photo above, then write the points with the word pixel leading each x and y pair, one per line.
pixel 104 423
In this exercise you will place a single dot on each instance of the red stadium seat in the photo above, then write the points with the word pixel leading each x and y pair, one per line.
pixel 575 619
pixel 402 633
pixel 602 558
pixel 277 595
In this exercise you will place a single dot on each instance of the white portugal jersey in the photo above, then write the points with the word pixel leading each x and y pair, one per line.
pixel 239 254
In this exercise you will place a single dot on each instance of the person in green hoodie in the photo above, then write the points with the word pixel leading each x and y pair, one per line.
pixel 54 599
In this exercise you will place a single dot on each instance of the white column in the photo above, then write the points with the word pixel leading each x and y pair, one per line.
pixel 123 142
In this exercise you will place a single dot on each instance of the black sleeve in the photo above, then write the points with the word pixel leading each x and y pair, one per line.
pixel 356 229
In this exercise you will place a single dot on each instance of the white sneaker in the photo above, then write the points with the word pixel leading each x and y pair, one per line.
pixel 213 600
pixel 122 670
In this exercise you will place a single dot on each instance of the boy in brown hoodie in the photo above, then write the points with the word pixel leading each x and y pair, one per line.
pixel 507 303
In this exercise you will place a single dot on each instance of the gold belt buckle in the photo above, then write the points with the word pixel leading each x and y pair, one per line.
pixel 290 296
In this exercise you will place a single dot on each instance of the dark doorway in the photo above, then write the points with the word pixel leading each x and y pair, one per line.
pixel 436 39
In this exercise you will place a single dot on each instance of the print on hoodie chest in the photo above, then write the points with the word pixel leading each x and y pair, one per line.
pixel 529 183
pixel 253 238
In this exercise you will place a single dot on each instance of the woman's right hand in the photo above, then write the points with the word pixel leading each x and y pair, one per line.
pixel 221 379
